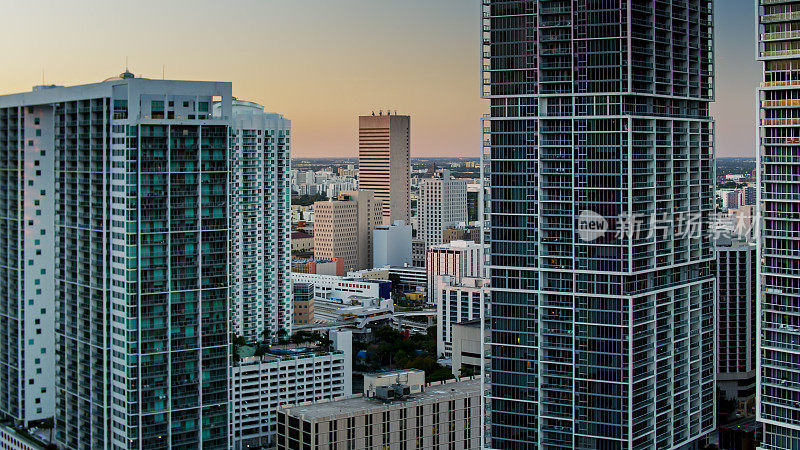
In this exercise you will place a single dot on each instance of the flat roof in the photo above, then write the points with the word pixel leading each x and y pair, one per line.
pixel 363 405
pixel 392 373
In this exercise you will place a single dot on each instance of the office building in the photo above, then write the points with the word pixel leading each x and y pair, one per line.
pixel 749 196
pixel 603 332
pixel 283 377
pixel 446 415
pixel 418 252
pixel 384 162
pixel 473 201
pixel 139 193
pixel 260 222
pixel 442 204
pixel 736 319
pixel 461 233
pixel 778 382
pixel 391 245
pixel 456 301
pixel 302 242
pixel 343 228
pixel 303 299
pixel 459 259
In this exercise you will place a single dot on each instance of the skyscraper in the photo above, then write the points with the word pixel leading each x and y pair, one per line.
pixel 736 319
pixel 601 157
pixel 139 192
pixel 384 162
pixel 778 382
pixel 442 203
pixel 260 222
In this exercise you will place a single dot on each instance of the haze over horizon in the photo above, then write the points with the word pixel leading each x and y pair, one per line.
pixel 321 65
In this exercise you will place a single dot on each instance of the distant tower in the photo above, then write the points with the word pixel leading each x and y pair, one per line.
pixel 384 162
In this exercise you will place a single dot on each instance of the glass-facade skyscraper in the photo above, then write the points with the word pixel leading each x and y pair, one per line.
pixel 601 172
pixel 138 187
pixel 778 381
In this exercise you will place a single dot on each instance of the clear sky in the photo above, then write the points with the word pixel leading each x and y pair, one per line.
pixel 321 62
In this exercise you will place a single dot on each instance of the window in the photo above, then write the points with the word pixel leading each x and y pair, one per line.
pixel 36 121
pixel 202 106
pixel 38 132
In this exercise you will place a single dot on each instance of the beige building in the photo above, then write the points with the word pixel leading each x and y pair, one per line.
pixel 459 233
pixel 384 162
pixel 343 228
pixel 467 348
pixel 442 416
pixel 302 241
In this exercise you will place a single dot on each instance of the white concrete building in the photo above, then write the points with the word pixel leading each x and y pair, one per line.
pixel 457 300
pixel 459 259
pixel 260 222
pixel 391 245
pixel 335 288
pixel 135 282
pixel 260 385
pixel 467 350
pixel 442 204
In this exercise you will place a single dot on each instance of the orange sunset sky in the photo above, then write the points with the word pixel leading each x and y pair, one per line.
pixel 321 62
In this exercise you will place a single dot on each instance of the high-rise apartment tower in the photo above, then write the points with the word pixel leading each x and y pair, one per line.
pixel 778 381
pixel 601 172
pixel 140 242
pixel 260 222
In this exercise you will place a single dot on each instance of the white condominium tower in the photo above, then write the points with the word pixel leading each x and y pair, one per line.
pixel 384 163
pixel 260 222
pixel 778 381
pixel 442 203
pixel 601 172
pixel 139 193
pixel 27 260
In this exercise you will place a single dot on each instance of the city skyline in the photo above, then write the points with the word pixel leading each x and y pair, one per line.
pixel 430 73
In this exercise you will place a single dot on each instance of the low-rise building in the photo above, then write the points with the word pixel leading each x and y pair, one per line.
pixel 329 287
pixel 303 303
pixel 442 416
pixel 302 242
pixel 461 233
pixel 333 266
pixel 285 376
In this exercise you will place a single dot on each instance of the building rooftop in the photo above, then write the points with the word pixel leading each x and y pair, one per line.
pixel 301 235
pixel 392 373
pixel 363 405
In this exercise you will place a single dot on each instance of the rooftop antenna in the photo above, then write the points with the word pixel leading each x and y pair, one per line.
pixel 126 64
pixel 162 71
